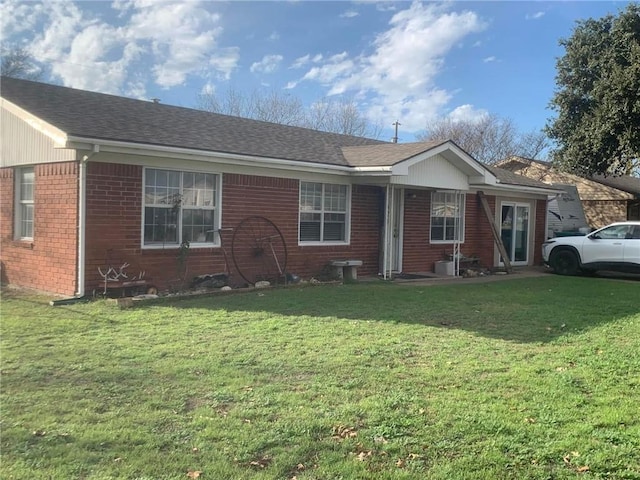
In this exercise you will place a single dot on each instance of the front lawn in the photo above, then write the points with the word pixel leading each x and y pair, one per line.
pixel 525 379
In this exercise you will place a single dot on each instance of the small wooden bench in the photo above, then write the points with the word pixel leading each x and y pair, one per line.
pixel 346 269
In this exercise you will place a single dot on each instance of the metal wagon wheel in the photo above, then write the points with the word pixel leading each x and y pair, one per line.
pixel 259 251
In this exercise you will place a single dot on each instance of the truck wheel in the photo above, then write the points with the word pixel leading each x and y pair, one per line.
pixel 565 262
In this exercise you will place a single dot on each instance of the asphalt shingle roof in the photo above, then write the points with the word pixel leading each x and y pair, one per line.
pixel 385 154
pixel 108 117
pixel 80 113
pixel 625 183
pixel 510 178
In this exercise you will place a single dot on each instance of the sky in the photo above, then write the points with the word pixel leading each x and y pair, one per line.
pixel 410 62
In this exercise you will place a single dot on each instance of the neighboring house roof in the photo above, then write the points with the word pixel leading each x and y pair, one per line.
pixel 510 178
pixel 80 113
pixel 625 183
pixel 544 171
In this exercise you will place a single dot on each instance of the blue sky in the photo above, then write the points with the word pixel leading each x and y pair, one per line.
pixel 406 61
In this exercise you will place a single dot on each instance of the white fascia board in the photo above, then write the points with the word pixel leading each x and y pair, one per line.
pixel 58 136
pixel 523 188
pixel 205 156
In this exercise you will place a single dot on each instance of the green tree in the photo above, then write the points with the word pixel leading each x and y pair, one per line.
pixel 597 99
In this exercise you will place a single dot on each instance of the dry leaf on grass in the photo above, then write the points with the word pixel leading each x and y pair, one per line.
pixel 261 463
pixel 194 473
pixel 341 432
pixel 583 469
pixel 362 456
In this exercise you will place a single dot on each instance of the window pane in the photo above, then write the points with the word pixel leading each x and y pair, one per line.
pixel 309 231
pixel 160 225
pixel 26 184
pixel 197 225
pixel 310 227
pixel 335 198
pixel 27 221
pixel 334 227
pixel 310 196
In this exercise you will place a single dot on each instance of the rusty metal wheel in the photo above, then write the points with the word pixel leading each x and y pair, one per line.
pixel 259 251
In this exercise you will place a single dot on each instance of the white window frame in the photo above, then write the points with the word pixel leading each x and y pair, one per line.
pixel 216 208
pixel 461 226
pixel 322 211
pixel 23 205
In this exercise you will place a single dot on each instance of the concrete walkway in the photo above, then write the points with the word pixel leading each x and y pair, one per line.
pixel 518 272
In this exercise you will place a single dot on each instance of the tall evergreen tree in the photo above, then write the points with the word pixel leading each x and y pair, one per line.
pixel 597 99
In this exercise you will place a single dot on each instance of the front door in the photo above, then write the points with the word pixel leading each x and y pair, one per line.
pixel 514 231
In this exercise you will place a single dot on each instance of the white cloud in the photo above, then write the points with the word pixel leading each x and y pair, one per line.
pixel 274 36
pixel 535 16
pixel 268 64
pixel 490 59
pixel 18 17
pixel 171 39
pixel 301 61
pixel 349 14
pixel 398 76
pixel 467 113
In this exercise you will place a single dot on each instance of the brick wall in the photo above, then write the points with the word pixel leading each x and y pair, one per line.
pixel 114 214
pixel 419 255
pixel 48 262
pixel 113 229
pixel 600 213
pixel 540 233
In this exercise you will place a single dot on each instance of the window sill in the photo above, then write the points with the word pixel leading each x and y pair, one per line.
pixel 322 244
pixel 444 242
pixel 174 246
pixel 23 243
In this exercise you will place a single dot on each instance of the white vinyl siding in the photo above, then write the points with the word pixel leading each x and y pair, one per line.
pixel 180 207
pixel 24 205
pixel 324 213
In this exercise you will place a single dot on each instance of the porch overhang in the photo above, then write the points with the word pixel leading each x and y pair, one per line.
pixel 443 166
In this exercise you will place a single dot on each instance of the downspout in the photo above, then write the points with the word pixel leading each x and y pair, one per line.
pixel 386 234
pixel 82 209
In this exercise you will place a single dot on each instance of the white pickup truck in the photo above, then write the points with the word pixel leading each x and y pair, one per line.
pixel 615 247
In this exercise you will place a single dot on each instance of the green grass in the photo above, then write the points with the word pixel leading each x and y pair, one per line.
pixel 525 379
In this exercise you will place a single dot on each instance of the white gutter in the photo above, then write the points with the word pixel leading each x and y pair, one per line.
pixel 246 160
pixel 520 188
pixel 82 213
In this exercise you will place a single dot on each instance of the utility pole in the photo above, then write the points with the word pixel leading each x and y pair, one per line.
pixel 396 124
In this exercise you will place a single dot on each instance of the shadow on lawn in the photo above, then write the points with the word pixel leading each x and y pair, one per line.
pixel 521 310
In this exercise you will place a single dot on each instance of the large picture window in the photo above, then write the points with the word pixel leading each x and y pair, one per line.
pixel 323 212
pixel 180 207
pixel 447 217
pixel 24 194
